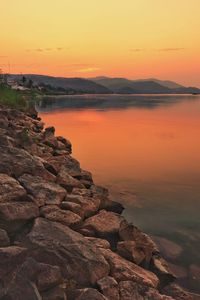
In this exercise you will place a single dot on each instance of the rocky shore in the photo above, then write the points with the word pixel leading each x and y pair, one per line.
pixel 61 236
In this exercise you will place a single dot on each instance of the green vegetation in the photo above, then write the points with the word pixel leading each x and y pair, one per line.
pixel 11 98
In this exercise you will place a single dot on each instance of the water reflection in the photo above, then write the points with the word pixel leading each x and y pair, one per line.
pixel 107 102
pixel 149 158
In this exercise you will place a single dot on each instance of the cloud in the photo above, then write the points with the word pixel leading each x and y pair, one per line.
pixel 3 56
pixel 75 65
pixel 46 49
pixel 171 49
pixel 137 49
pixel 90 69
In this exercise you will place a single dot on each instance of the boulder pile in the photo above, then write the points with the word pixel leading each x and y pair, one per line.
pixel 61 237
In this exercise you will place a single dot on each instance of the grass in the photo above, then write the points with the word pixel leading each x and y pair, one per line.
pixel 11 98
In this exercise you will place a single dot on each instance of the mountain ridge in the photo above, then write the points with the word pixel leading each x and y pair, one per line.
pixel 109 85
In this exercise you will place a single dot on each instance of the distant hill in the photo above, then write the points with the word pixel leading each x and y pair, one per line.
pixel 76 84
pixel 167 83
pixel 122 85
pixel 143 86
pixel 107 85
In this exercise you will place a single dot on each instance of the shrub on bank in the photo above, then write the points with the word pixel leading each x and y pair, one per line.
pixel 11 97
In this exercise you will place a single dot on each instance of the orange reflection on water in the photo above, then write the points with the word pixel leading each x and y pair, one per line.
pixel 143 144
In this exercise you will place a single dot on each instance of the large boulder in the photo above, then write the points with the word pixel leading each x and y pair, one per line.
pixel 65 217
pixel 15 162
pixel 130 251
pixel 10 189
pixel 56 244
pixel 89 206
pixel 10 258
pixel 67 181
pixel 71 165
pixel 129 232
pixel 43 191
pixel 15 214
pixel 123 270
pixel 105 225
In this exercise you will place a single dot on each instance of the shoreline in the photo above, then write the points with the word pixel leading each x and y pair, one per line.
pixel 60 233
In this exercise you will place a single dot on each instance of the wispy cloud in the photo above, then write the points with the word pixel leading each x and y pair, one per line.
pixel 46 49
pixel 137 49
pixel 3 56
pixel 76 65
pixel 90 69
pixel 171 49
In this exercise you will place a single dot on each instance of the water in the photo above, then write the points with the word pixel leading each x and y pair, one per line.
pixel 146 150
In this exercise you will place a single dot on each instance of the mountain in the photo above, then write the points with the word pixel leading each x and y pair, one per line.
pixel 167 83
pixel 122 85
pixel 143 86
pixel 76 84
pixel 106 85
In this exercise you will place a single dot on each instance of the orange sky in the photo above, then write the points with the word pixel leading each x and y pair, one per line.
pixel 85 38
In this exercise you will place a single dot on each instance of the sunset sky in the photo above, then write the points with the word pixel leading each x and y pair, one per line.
pixel 86 38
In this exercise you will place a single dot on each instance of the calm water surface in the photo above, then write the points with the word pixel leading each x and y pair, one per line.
pixel 146 150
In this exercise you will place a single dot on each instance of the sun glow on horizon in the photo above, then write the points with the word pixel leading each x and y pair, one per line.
pixel 131 38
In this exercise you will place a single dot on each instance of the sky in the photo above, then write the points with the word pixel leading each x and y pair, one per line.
pixel 87 38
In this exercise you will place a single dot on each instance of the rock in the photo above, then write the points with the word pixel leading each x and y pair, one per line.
pixel 57 293
pixel 169 249
pixel 89 206
pixel 123 270
pixel 85 175
pixel 65 217
pixel 130 251
pixel 160 267
pixel 99 191
pixel 82 192
pixel 194 277
pixel 44 192
pixel 176 292
pixel 14 214
pixel 111 205
pixel 48 277
pixel 105 225
pixel 53 243
pixel 66 142
pixel 67 205
pixel 10 258
pixel 99 243
pixel 129 232
pixel 87 294
pixel 67 181
pixel 109 288
pixel 71 165
pixel 4 239
pixel 49 131
pixel 10 189
pixel 20 288
pixel 130 290
pixel 15 162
